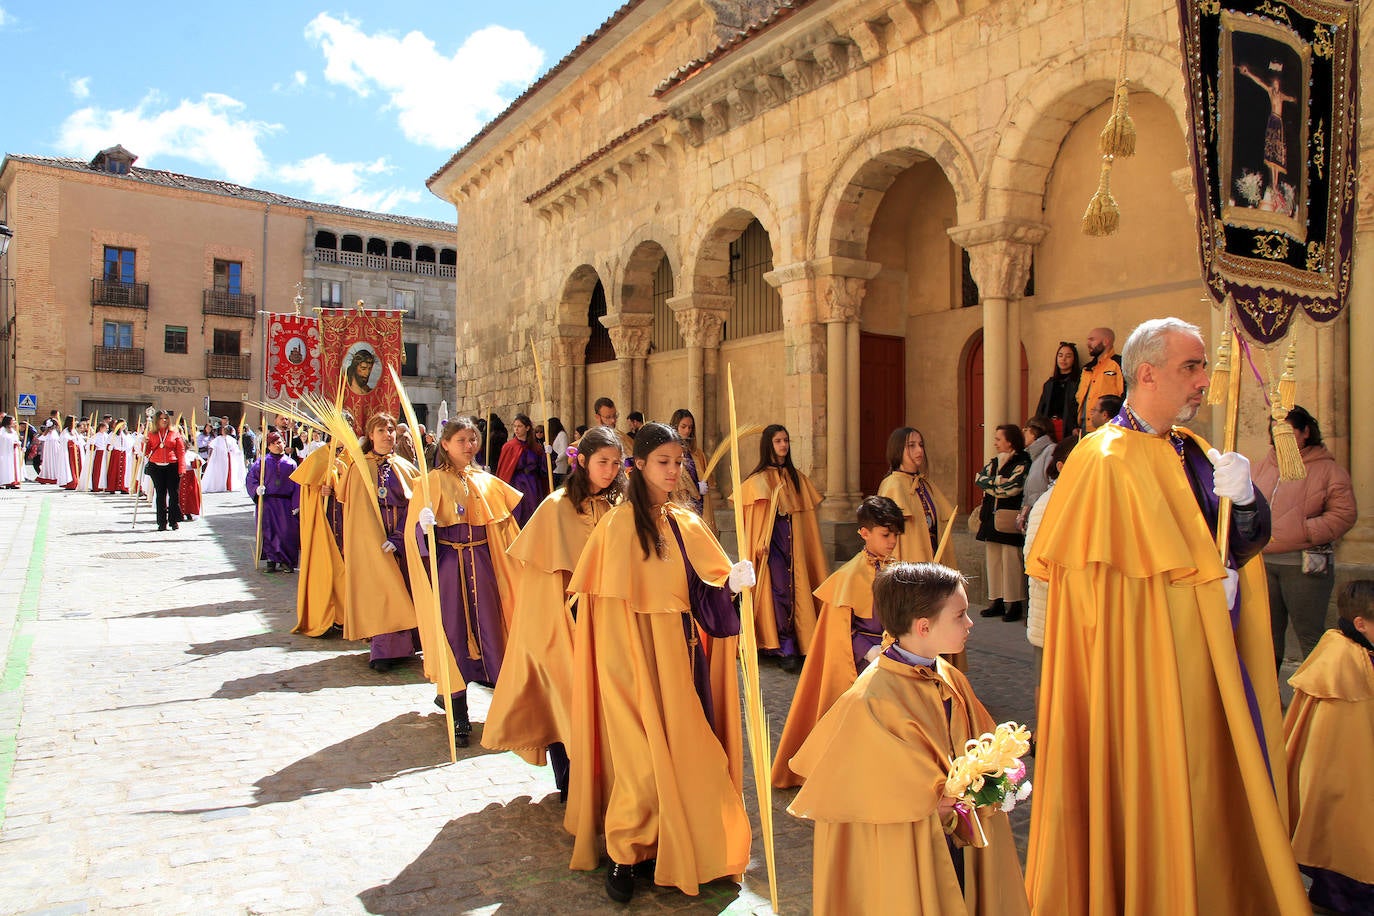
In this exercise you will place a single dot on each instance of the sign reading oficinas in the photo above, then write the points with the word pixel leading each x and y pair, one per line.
pixel 174 386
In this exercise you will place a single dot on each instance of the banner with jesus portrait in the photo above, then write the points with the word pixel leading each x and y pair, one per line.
pixel 1274 110
pixel 358 345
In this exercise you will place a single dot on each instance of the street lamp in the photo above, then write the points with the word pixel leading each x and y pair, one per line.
pixel 6 233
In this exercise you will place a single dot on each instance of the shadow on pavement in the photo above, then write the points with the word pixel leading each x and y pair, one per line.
pixel 219 609
pixel 514 857
pixel 327 673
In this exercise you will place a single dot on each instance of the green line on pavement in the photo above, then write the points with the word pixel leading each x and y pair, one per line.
pixel 17 658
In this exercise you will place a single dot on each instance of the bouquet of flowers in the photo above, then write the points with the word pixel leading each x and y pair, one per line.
pixel 991 772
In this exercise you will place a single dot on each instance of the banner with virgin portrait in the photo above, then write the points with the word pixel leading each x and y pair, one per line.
pixel 293 356
pixel 1273 105
pixel 358 345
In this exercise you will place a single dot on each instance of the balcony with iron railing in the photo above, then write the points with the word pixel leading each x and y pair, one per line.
pixel 230 305
pixel 228 365
pixel 117 292
pixel 382 262
pixel 119 359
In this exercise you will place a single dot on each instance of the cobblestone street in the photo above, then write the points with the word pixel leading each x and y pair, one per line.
pixel 167 746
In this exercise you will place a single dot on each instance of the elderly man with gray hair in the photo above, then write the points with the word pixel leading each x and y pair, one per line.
pixel 1160 764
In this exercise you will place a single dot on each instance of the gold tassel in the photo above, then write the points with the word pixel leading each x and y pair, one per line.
pixel 1103 216
pixel 1221 373
pixel 1118 137
pixel 1286 450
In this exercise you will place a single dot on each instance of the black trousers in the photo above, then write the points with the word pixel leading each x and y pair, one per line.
pixel 166 493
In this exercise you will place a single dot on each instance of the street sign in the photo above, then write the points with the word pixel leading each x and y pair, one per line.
pixel 28 404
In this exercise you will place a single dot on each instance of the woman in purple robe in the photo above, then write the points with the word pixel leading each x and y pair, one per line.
pixel 278 499
pixel 522 465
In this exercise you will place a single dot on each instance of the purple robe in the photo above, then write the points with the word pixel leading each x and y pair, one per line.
pixel 780 572
pixel 468 595
pixel 864 634
pixel 281 525
pixel 530 477
pixel 395 505
pixel 713 608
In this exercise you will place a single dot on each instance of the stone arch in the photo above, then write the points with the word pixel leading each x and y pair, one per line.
pixel 854 189
pixel 1053 99
pixel 718 222
pixel 637 279
pixel 575 294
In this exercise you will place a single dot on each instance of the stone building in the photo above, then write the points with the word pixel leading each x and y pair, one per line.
pixel 870 211
pixel 135 287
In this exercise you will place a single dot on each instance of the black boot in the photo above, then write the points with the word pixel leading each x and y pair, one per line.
pixel 1015 611
pixel 558 762
pixel 620 882
pixel 462 728
pixel 996 609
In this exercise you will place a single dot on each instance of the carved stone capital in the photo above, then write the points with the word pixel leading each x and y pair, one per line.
pixel 840 297
pixel 570 345
pixel 701 318
pixel 630 334
pixel 999 254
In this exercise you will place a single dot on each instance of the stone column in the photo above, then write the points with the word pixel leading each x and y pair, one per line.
pixel 804 382
pixel 1358 545
pixel 1000 255
pixel 570 352
pixel 630 335
pixel 701 317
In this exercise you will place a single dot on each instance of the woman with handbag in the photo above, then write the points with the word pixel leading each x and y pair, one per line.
pixel 1002 481
pixel 1308 516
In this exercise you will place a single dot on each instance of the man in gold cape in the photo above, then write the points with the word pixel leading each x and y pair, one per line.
pixel 766 494
pixel 376 600
pixel 320 586
pixel 649 769
pixel 1160 784
pixel 1330 745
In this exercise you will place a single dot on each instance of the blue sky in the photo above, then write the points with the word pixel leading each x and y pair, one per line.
pixel 349 105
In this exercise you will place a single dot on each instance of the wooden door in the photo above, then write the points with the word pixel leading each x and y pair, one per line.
pixel 972 446
pixel 883 359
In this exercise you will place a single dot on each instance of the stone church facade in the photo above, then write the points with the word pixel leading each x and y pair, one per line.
pixel 869 211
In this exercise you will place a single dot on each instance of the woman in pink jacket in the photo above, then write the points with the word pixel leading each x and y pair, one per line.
pixel 1308 516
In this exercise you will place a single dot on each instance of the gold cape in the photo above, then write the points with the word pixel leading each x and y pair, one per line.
pixel 687 490
pixel 1152 794
pixel 532 705
pixel 487 501
pixel 875 769
pixel 829 670
pixel 913 544
pixel 320 586
pixel 375 596
pixel 1330 732
pixel 650 773
pixel 765 495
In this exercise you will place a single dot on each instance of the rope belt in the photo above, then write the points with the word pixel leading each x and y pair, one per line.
pixel 459 546
pixel 474 643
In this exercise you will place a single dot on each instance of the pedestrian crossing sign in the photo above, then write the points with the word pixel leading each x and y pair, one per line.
pixel 28 403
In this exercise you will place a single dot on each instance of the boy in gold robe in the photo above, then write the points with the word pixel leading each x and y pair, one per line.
pixel 848 636
pixel 902 848
pixel 1330 744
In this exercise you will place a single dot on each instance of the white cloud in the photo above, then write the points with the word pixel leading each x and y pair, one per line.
pixel 347 183
pixel 440 101
pixel 81 88
pixel 6 18
pixel 212 131
pixel 299 77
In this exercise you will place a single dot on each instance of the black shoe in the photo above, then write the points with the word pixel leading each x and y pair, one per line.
pixel 1014 612
pixel 174 526
pixel 996 609
pixel 161 527
pixel 790 663
pixel 381 665
pixel 644 869
pixel 462 728
pixel 620 882
pixel 334 632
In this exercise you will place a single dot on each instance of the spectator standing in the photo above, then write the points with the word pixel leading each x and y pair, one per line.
pixel 1102 375
pixel 1040 439
pixel 1059 396
pixel 1003 482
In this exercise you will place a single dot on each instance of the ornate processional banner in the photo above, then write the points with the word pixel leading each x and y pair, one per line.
pixel 1273 104
pixel 360 344
pixel 293 356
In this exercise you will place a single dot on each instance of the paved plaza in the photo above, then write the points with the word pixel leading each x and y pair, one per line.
pixel 168 746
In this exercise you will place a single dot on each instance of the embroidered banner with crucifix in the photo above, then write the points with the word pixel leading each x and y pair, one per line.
pixel 1273 104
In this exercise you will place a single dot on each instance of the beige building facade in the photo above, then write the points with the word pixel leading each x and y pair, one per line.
pixel 135 287
pixel 868 211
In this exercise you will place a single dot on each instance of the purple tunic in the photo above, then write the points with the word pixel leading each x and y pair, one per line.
pixel 281 526
pixel 403 643
pixel 530 477
pixel 469 599
pixel 714 610
pixel 780 575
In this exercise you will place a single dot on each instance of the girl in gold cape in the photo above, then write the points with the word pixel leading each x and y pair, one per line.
pixel 473 526
pixel 693 489
pixel 1330 745
pixel 876 766
pixel 377 603
pixel 531 709
pixel 320 586
pixel 784 542
pixel 656 712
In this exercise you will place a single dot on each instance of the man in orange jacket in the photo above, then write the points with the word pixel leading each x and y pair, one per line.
pixel 1102 375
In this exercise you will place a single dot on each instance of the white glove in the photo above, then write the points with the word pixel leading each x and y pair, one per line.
pixel 262 491
pixel 388 547
pixel 426 519
pixel 1231 477
pixel 295 511
pixel 702 487
pixel 1232 585
pixel 742 576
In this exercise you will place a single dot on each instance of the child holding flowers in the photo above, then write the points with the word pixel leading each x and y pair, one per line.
pixel 908 846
